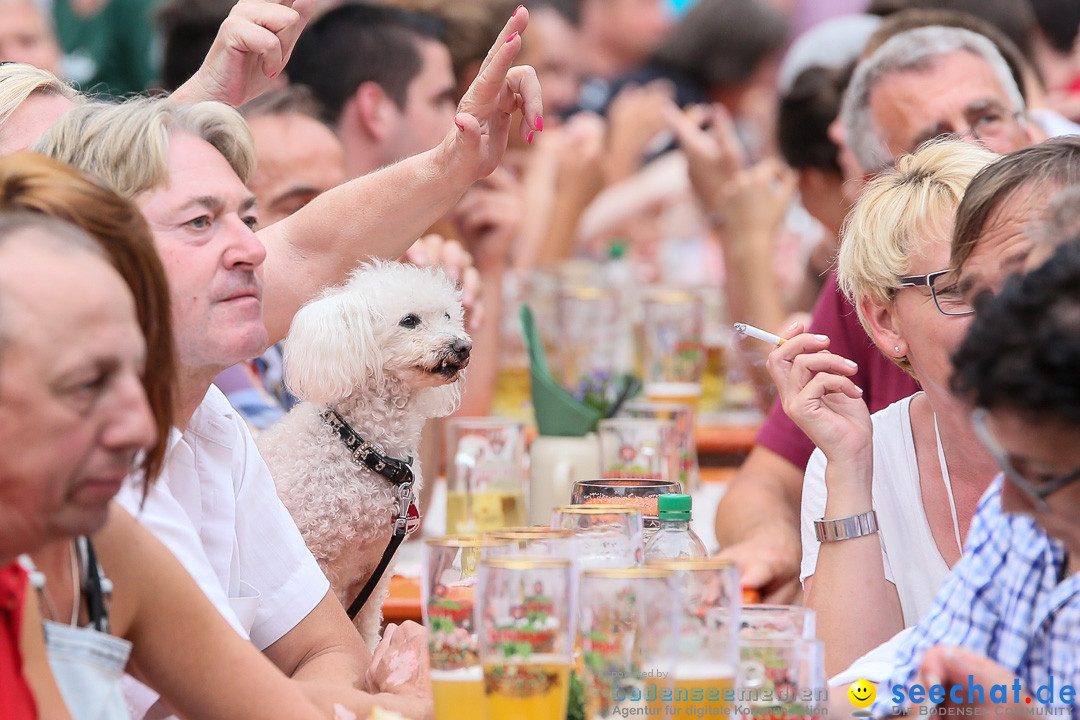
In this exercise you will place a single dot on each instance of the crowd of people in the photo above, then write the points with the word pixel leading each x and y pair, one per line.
pixel 892 185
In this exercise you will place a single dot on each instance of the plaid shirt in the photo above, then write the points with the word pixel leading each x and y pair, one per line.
pixel 1007 599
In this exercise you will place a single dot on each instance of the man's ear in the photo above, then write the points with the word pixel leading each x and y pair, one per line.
pixel 373 110
pixel 883 327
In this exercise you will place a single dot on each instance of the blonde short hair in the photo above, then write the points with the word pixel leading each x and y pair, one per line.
pixel 18 81
pixel 127 145
pixel 895 215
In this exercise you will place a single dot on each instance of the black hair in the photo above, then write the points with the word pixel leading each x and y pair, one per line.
pixel 1022 352
pixel 358 43
pixel 1059 21
pixel 804 116
pixel 720 43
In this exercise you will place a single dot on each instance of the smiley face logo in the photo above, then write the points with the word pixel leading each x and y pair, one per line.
pixel 861 693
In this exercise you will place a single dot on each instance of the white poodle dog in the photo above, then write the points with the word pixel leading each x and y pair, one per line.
pixel 386 352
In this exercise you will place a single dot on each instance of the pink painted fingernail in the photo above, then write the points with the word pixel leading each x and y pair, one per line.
pixel 459 126
pixel 512 36
pixel 539 124
pixel 531 137
pixel 516 10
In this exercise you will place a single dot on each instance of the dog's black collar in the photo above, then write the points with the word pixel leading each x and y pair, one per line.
pixel 367 453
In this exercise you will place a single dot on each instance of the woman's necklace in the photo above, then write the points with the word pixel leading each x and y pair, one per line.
pixel 40 583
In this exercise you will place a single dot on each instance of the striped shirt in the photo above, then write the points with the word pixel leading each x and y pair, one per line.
pixel 1007 598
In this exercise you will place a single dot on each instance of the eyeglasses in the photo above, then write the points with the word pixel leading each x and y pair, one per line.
pixel 1037 491
pixel 986 122
pixel 945 290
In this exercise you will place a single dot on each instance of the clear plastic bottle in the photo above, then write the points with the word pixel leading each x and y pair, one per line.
pixel 674 539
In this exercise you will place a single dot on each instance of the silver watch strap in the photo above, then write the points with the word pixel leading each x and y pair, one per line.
pixel 846 528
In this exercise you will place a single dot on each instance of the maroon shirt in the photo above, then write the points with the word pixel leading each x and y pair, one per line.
pixel 882 381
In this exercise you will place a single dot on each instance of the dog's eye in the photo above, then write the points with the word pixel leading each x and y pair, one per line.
pixel 409 321
pixel 447 315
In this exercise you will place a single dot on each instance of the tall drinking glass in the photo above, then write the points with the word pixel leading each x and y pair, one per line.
pixel 538 540
pixel 685 442
pixel 607 535
pixel 526 631
pixel 629 634
pixel 783 677
pixel 641 448
pixel 673 350
pixel 447 598
pixel 587 318
pixel 764 621
pixel 485 474
pixel 708 594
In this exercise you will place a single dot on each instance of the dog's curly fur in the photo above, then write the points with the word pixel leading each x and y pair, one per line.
pixel 385 350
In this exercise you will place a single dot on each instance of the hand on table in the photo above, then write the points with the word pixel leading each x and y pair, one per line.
pixel 400 663
pixel 769 563
pixel 251 48
pixel 947 665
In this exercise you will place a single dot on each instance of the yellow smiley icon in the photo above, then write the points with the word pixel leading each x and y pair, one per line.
pixel 861 693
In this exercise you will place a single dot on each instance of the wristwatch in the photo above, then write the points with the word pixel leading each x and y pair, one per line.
pixel 846 528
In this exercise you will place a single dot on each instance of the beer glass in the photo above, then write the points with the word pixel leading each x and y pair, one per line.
pixel 708 595
pixel 639 448
pixel 673 354
pixel 538 540
pixel 783 677
pixel 447 597
pixel 629 633
pixel 526 635
pixel 607 535
pixel 485 474
pixel 587 319
pixel 685 443
pixel 765 621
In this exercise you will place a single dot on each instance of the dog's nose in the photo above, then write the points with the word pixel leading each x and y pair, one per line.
pixel 461 348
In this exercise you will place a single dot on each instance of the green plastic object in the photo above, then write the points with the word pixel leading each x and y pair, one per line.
pixel 673 506
pixel 557 411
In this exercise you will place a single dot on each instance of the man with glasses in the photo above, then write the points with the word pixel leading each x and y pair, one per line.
pixel 1013 601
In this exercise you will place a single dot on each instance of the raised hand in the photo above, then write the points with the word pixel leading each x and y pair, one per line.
pixel 713 152
pixel 475 145
pixel 252 47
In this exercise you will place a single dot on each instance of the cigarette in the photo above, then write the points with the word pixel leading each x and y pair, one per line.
pixel 758 333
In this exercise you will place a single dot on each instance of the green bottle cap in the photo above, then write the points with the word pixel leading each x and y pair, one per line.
pixel 673 506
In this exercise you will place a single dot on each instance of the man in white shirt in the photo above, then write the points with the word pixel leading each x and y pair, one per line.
pixel 215 505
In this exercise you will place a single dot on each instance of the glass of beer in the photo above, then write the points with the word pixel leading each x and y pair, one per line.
pixel 526 636
pixel 708 595
pixel 686 445
pixel 447 597
pixel 629 635
pixel 673 352
pixel 607 535
pixel 783 677
pixel 587 320
pixel 538 540
pixel 765 621
pixel 638 448
pixel 485 474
